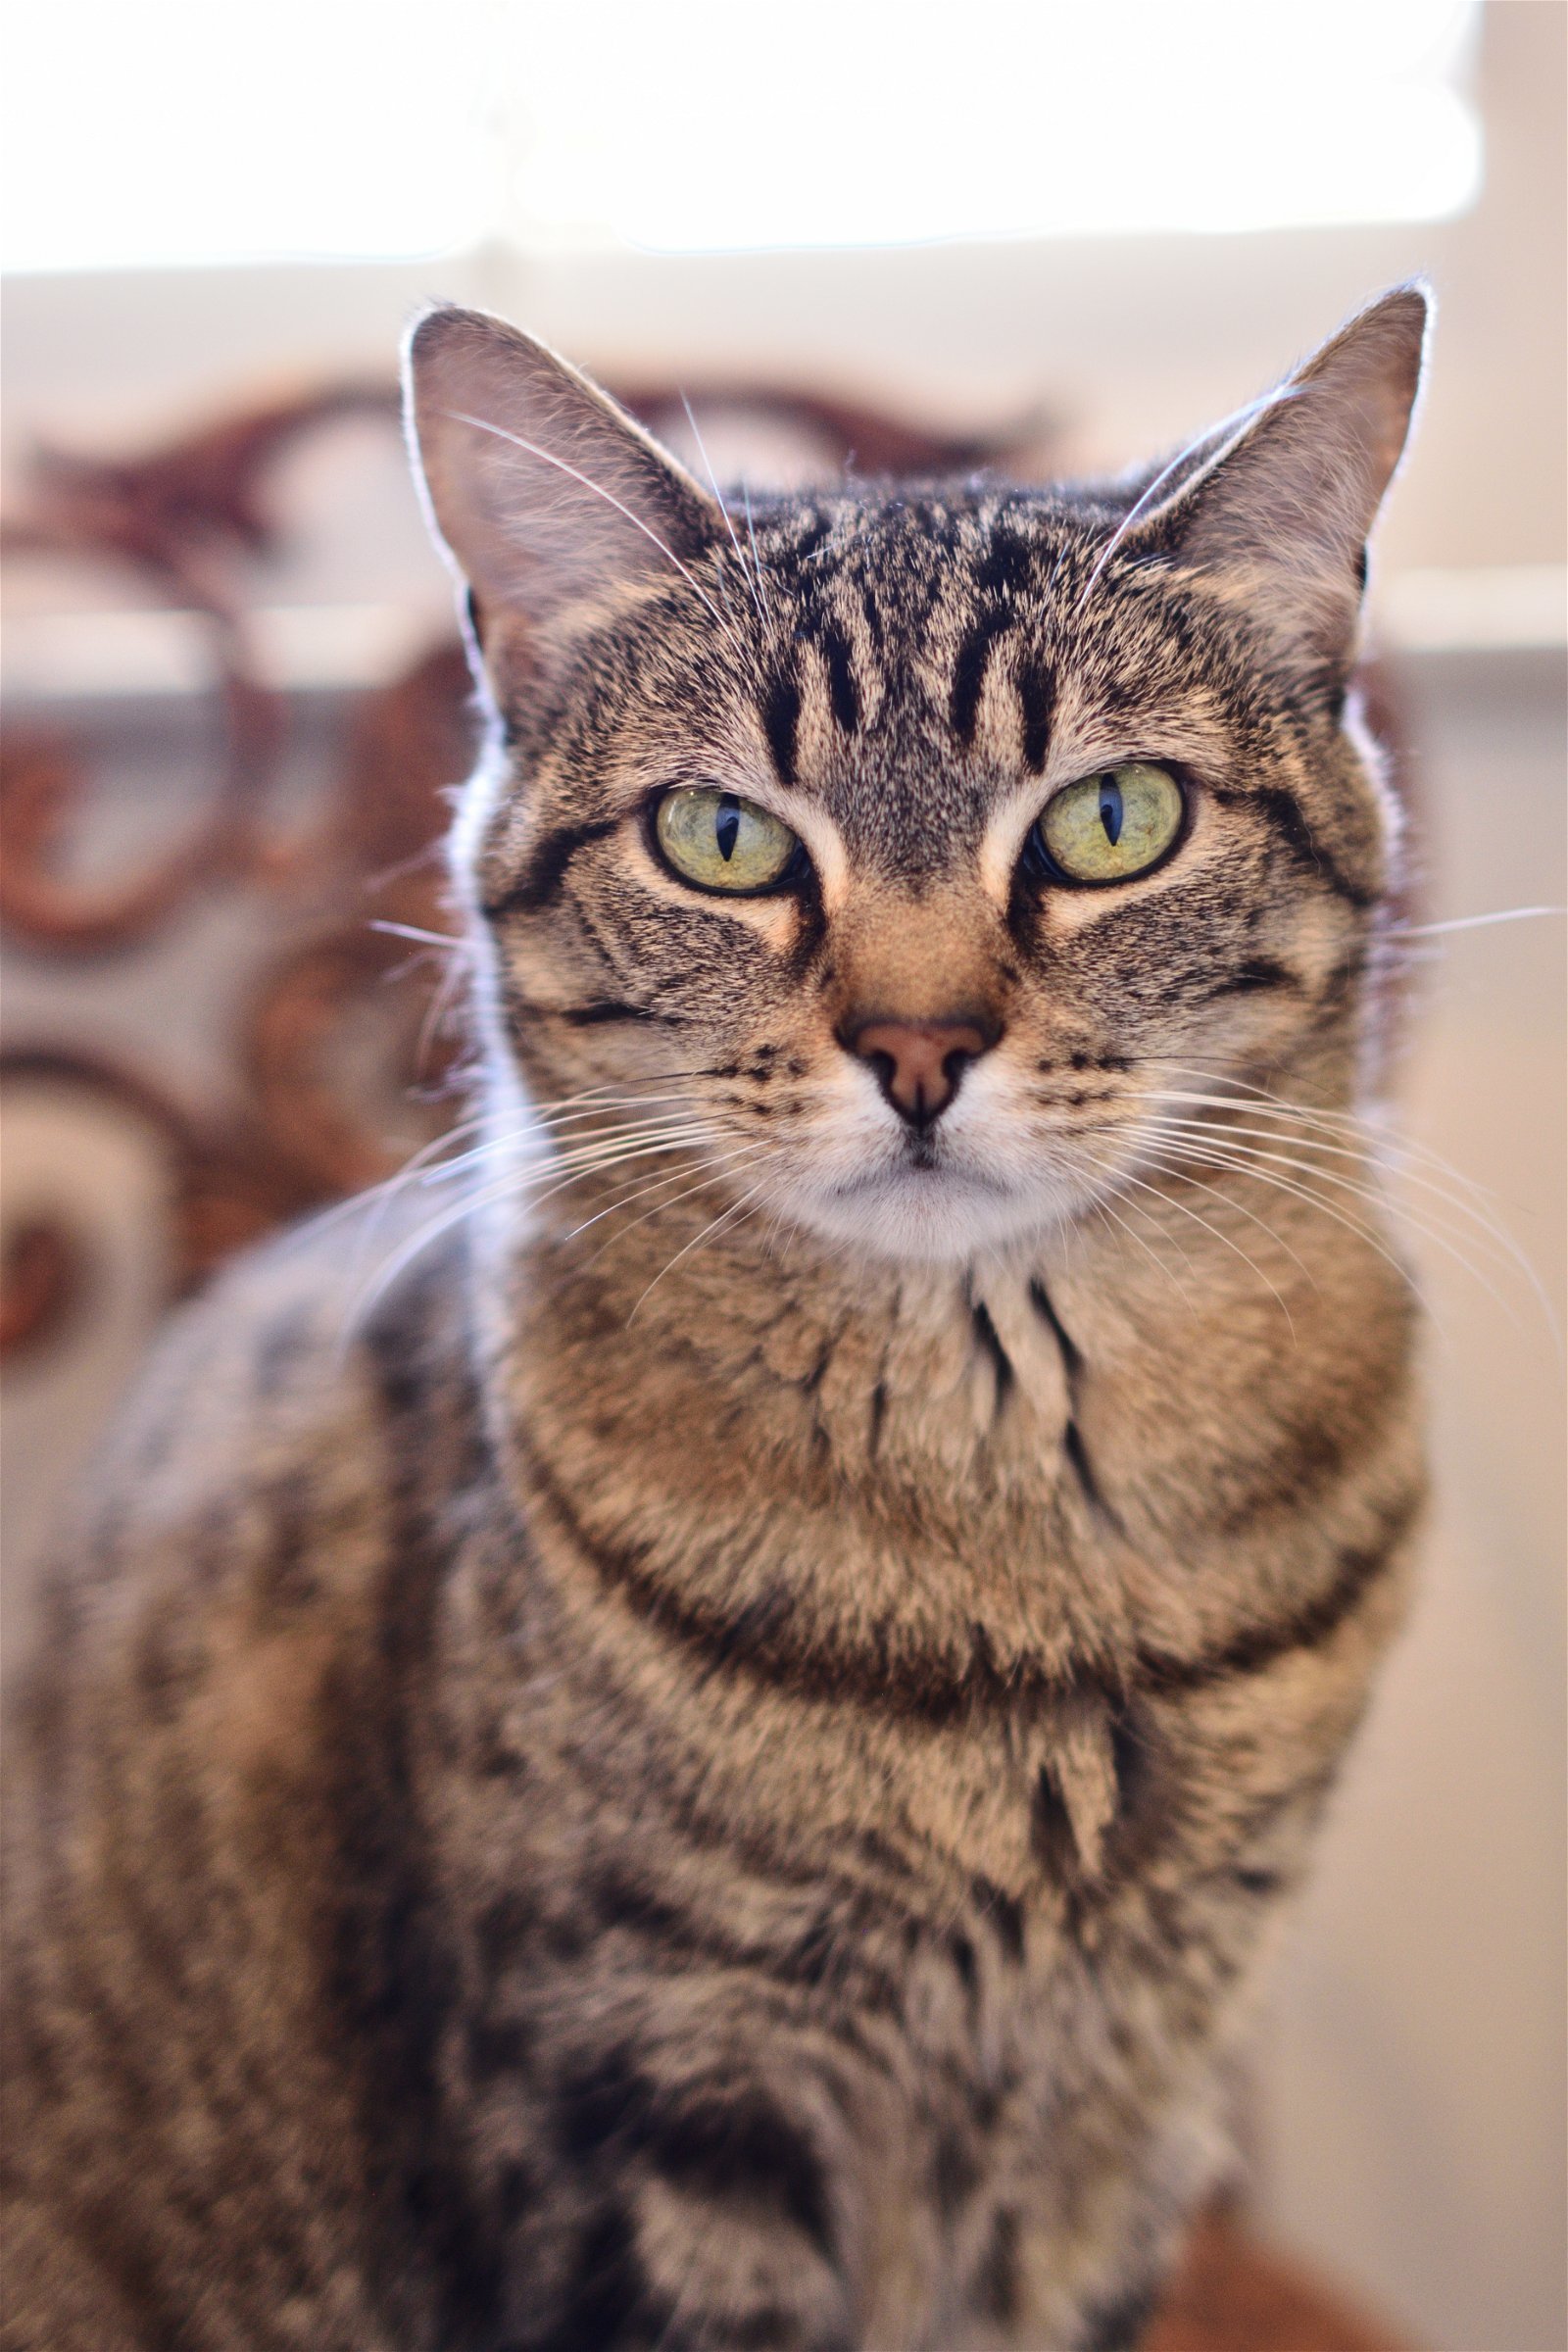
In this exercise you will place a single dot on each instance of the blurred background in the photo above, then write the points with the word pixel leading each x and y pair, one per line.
pixel 1043 237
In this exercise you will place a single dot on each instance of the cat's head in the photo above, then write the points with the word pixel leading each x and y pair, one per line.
pixel 915 850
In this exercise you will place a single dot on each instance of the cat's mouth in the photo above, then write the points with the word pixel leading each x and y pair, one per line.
pixel 924 1155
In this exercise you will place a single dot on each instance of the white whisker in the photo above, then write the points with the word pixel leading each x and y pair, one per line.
pixel 707 1232
pixel 1471 922
pixel 515 1186
pixel 1213 437
pixel 719 498
pixel 456 940
pixel 548 457
pixel 1212 1157
pixel 1364 1158
pixel 543 1152
pixel 1381 1141
pixel 1103 1208
pixel 1503 1251
pixel 710 1164
pixel 756 559
pixel 1182 1207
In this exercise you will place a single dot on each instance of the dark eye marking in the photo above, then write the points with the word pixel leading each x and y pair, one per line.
pixel 1262 973
pixel 606 1011
pixel 1282 813
pixel 542 875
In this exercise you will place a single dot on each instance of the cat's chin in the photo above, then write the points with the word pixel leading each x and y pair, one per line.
pixel 927 1217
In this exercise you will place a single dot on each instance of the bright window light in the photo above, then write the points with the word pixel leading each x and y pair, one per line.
pixel 190 131
pixel 146 131
pixel 737 126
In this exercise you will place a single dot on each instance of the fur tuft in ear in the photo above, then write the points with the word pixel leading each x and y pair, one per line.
pixel 1276 511
pixel 546 495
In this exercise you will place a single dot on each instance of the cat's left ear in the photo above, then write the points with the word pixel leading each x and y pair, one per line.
pixel 1279 510
pixel 550 500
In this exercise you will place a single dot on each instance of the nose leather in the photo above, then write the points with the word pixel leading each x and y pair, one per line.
pixel 919 1064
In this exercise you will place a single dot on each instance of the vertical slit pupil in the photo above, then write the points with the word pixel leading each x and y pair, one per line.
pixel 1110 810
pixel 727 825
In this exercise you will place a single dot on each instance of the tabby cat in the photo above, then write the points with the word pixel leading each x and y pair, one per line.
pixel 704 1748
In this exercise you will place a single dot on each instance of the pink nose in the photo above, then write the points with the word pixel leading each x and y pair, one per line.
pixel 919 1064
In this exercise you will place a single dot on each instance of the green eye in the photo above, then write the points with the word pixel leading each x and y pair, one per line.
pixel 1111 826
pixel 720 842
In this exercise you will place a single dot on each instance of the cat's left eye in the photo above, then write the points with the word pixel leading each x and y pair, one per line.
pixel 1111 826
pixel 720 842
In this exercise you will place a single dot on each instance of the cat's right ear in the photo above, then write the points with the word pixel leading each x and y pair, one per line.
pixel 1274 510
pixel 546 497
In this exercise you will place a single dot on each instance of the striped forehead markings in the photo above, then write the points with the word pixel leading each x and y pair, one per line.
pixel 1007 589
pixel 781 701
pixel 845 694
pixel 781 719
pixel 1031 681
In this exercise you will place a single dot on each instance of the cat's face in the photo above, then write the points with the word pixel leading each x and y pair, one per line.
pixel 916 853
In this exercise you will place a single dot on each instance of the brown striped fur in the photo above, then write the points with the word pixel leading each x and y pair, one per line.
pixel 725 1775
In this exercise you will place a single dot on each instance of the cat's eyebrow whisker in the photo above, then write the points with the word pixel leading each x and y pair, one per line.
pixel 719 498
pixel 756 559
pixel 1214 435
pixel 547 456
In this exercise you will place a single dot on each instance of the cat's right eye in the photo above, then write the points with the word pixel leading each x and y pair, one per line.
pixel 719 842
pixel 1113 826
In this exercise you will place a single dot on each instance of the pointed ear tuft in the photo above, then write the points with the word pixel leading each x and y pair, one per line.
pixel 546 495
pixel 1278 511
